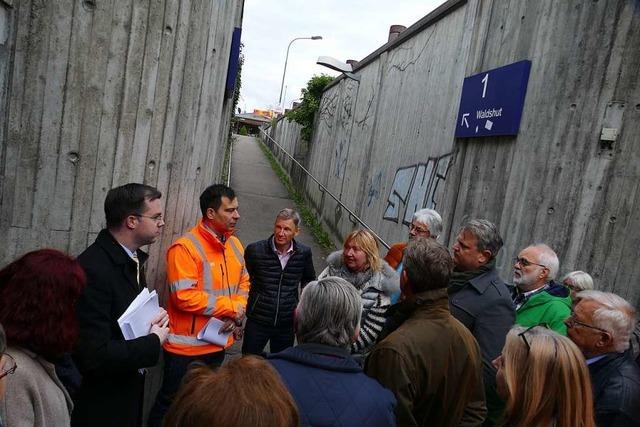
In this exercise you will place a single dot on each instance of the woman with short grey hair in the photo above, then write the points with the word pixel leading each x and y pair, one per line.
pixel 328 313
pixel 577 281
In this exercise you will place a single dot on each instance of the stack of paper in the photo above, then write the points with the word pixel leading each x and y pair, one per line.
pixel 135 322
pixel 210 333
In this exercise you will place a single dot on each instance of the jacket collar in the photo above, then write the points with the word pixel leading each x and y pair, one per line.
pixel 482 281
pixel 271 244
pixel 212 236
pixel 433 301
pixel 320 356
pixel 115 251
pixel 604 367
pixel 550 292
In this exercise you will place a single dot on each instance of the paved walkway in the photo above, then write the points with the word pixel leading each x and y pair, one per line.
pixel 261 195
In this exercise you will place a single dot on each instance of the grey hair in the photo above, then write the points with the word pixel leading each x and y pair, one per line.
pixel 431 219
pixel 288 213
pixel 549 259
pixel 329 313
pixel 486 233
pixel 3 340
pixel 580 280
pixel 615 315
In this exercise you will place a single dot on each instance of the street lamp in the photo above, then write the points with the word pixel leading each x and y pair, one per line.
pixel 334 64
pixel 287 59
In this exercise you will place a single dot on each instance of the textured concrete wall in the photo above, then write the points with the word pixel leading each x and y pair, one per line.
pixel 386 144
pixel 98 93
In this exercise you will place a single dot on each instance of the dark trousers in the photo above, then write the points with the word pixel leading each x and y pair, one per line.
pixel 175 368
pixel 256 336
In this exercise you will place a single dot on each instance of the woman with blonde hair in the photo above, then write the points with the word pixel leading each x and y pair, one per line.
pixel 359 263
pixel 544 379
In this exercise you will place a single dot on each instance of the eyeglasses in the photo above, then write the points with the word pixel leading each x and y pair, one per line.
pixel 526 263
pixel 157 218
pixel 571 322
pixel 418 229
pixel 524 338
pixel 10 362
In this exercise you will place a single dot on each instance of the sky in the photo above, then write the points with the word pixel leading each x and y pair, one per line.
pixel 350 29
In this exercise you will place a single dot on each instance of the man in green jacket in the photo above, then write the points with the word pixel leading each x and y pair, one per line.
pixel 538 299
pixel 429 360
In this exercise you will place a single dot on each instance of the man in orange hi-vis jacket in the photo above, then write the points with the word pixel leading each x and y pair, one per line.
pixel 207 278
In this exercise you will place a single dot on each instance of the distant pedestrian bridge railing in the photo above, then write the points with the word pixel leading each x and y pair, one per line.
pixel 323 189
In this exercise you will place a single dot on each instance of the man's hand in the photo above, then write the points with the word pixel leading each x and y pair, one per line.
pixel 160 325
pixel 239 319
pixel 228 326
pixel 238 333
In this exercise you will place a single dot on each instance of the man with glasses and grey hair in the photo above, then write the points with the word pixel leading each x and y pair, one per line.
pixel 601 325
pixel 425 223
pixel 538 298
pixel 277 267
pixel 481 300
pixel 327 384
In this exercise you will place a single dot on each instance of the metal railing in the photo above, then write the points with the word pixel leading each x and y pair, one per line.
pixel 324 189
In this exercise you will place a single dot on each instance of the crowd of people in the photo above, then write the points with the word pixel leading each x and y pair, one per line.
pixel 423 336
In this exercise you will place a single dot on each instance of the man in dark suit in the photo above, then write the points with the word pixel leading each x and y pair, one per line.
pixel 481 300
pixel 277 266
pixel 113 377
pixel 600 326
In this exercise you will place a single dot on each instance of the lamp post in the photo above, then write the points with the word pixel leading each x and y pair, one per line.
pixel 286 59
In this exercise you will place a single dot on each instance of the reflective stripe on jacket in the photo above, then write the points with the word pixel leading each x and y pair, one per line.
pixel 206 279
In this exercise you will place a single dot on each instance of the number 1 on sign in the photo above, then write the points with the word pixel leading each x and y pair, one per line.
pixel 485 80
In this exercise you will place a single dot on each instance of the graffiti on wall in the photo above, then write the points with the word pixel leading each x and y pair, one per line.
pixel 416 187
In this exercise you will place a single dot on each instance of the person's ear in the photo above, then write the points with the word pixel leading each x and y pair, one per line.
pixel 131 222
pixel 210 213
pixel 544 274
pixel 484 257
pixel 605 340
pixel 357 334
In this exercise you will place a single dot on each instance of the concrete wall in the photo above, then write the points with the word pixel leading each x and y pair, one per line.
pixel 386 144
pixel 287 134
pixel 98 93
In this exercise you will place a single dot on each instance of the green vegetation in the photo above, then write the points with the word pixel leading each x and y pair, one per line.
pixel 305 112
pixel 230 139
pixel 224 173
pixel 236 91
pixel 309 219
pixel 244 131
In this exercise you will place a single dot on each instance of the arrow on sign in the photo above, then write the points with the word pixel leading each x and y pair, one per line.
pixel 464 120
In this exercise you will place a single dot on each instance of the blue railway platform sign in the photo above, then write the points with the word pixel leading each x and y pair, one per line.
pixel 492 101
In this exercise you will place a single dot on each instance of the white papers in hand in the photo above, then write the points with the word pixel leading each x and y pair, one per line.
pixel 210 333
pixel 135 322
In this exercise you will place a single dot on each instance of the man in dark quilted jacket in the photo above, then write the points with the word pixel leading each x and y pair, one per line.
pixel 278 267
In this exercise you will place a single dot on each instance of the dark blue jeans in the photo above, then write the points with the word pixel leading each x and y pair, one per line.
pixel 175 368
pixel 256 336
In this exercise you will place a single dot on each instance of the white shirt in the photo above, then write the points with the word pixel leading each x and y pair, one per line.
pixel 283 256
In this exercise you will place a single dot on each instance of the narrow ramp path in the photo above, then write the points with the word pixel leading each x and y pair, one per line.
pixel 261 195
